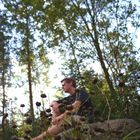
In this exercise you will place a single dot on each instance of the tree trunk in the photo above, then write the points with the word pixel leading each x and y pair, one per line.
pixel 29 67
pixel 3 100
pixel 97 46
pixel 99 52
pixel 3 88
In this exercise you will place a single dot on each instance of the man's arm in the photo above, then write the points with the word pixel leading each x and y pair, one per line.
pixel 74 107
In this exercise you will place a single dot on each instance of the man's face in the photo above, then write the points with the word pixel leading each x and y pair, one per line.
pixel 66 86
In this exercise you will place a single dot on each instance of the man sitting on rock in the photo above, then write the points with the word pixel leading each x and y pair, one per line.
pixel 76 106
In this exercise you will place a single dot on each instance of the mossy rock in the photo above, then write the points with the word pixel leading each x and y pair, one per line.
pixel 118 129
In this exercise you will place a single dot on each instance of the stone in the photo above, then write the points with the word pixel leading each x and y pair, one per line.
pixel 107 130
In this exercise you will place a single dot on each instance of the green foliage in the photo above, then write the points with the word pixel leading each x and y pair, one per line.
pixel 84 31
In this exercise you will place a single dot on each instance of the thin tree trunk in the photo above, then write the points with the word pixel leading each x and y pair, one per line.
pixel 94 36
pixel 3 89
pixel 3 102
pixel 99 52
pixel 29 67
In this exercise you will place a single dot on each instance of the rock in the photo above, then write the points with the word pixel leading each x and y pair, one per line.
pixel 113 128
pixel 115 125
pixel 107 130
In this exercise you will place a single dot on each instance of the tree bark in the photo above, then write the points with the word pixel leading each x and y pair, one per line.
pixel 94 37
pixel 29 67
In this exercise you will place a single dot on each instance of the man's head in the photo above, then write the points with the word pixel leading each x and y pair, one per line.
pixel 68 84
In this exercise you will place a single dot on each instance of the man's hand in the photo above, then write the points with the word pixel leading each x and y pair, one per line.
pixel 58 119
